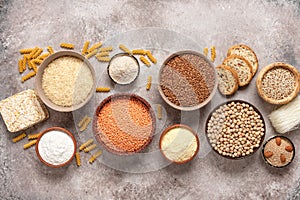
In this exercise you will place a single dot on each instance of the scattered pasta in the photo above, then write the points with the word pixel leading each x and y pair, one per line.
pixel 102 89
pixel 33 136
pixel 24 64
pixel 103 59
pixel 82 121
pixel 109 48
pixel 85 124
pixel 213 53
pixel 159 111
pixel 102 54
pixel 205 51
pixel 94 47
pixel 91 54
pixel 37 61
pixel 29 144
pixel 148 85
pixel 145 61
pixel 26 51
pixel 67 45
pixel 37 53
pixel 32 66
pixel 90 148
pixel 87 143
pixel 50 49
pixel 19 137
pixel 124 48
pixel 43 56
pixel 85 47
pixel 95 156
pixel 28 76
pixel 139 52
pixel 32 53
pixel 78 160
pixel 20 65
pixel 151 57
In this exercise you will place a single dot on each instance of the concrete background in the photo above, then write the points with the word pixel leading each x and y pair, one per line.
pixel 271 28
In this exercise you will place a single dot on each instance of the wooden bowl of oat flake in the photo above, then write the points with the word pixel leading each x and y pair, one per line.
pixel 278 83
pixel 187 80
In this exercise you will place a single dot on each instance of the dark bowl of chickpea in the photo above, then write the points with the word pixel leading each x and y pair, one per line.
pixel 235 129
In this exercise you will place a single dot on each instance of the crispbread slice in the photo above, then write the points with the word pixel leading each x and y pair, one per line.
pixel 228 80
pixel 247 53
pixel 242 67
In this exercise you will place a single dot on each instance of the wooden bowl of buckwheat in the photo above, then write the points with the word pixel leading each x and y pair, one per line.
pixel 235 129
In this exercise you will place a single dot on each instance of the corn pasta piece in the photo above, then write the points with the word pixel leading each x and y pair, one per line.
pixel 19 137
pixel 82 121
pixel 109 48
pixel 103 59
pixel 90 148
pixel 29 144
pixel 102 89
pixel 85 124
pixel 67 45
pixel 102 54
pixel 94 47
pixel 145 61
pixel 78 159
pixel 151 57
pixel 28 76
pixel 205 51
pixel 50 49
pixel 20 66
pixel 33 136
pixel 26 51
pixel 43 56
pixel 148 85
pixel 124 48
pixel 139 52
pixel 87 143
pixel 95 156
pixel 85 47
pixel 91 54
pixel 159 111
pixel 37 53
pixel 213 54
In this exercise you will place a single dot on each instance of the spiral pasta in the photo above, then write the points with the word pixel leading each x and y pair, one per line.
pixel 103 59
pixel 148 85
pixel 139 52
pixel 109 48
pixel 145 61
pixel 43 56
pixel 124 48
pixel 33 136
pixel 28 76
pixel 85 124
pixel 20 65
pixel 95 156
pixel 78 159
pixel 32 53
pixel 102 54
pixel 159 111
pixel 94 47
pixel 32 65
pixel 82 121
pixel 19 137
pixel 37 53
pixel 213 53
pixel 91 54
pixel 37 61
pixel 151 57
pixel 24 64
pixel 205 51
pixel 67 45
pixel 102 89
pixel 90 148
pixel 87 143
pixel 29 144
pixel 85 47
pixel 50 49
pixel 26 51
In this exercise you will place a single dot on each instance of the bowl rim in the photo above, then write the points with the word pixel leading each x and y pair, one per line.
pixel 263 149
pixel 198 106
pixel 179 126
pixel 62 130
pixel 120 96
pixel 118 55
pixel 39 76
pixel 256 110
pixel 267 68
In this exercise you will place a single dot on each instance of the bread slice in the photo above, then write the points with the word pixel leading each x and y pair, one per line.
pixel 228 80
pixel 247 53
pixel 241 66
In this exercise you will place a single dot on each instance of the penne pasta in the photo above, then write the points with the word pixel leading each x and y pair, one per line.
pixel 19 137
pixel 85 47
pixel 95 156
pixel 148 85
pixel 67 45
pixel 145 61
pixel 90 148
pixel 87 143
pixel 102 89
pixel 29 144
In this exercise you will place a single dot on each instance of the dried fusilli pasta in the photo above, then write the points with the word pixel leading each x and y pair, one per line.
pixel 19 137
pixel 205 51
pixel 94 47
pixel 85 47
pixel 95 156
pixel 20 65
pixel 90 148
pixel 33 136
pixel 159 111
pixel 37 61
pixel 102 89
pixel 148 85
pixel 145 61
pixel 102 54
pixel 124 48
pixel 109 48
pixel 78 160
pixel 213 53
pixel 103 59
pixel 91 54
pixel 85 124
pixel 50 49
pixel 87 143
pixel 67 45
pixel 32 53
pixel 43 56
pixel 28 76
pixel 151 57
pixel 82 121
pixel 26 51
pixel 37 53
pixel 29 144
pixel 139 52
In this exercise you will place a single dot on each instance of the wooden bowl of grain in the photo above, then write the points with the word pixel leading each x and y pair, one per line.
pixel 187 80
pixel 278 83
pixel 65 81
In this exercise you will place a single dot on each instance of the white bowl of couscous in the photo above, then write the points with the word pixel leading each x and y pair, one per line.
pixel 65 81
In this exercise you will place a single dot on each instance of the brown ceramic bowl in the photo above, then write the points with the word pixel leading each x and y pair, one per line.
pixel 266 69
pixel 97 129
pixel 53 129
pixel 118 55
pixel 179 126
pixel 261 139
pixel 200 105
pixel 39 76
pixel 265 159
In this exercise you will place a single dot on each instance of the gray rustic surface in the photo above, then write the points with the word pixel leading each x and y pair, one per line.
pixel 271 28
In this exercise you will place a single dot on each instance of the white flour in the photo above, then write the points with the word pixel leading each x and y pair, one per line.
pixel 56 147
pixel 123 69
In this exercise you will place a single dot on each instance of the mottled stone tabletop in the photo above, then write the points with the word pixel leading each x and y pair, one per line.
pixel 270 27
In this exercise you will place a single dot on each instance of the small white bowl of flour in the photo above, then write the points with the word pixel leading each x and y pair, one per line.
pixel 123 69
pixel 56 147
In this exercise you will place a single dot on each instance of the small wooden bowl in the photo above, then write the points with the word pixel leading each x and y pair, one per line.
pixel 96 128
pixel 118 55
pixel 39 77
pixel 272 66
pixel 261 139
pixel 179 126
pixel 53 129
pixel 200 105
pixel 265 159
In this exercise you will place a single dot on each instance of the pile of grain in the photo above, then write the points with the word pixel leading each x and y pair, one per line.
pixel 67 81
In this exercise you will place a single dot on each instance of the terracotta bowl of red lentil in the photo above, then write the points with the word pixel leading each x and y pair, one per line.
pixel 187 80
pixel 124 123
pixel 249 134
